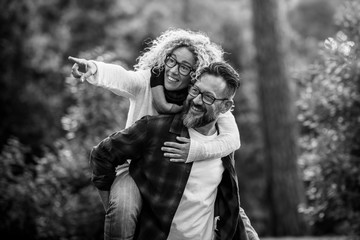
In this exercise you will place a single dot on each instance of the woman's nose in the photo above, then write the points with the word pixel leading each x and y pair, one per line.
pixel 175 69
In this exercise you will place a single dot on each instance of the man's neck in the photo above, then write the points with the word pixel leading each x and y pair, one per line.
pixel 208 129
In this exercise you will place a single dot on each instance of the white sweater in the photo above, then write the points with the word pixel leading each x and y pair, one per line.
pixel 135 85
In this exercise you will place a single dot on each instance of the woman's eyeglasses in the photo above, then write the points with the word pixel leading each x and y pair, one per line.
pixel 183 69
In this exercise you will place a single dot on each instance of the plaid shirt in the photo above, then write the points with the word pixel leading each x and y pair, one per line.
pixel 160 181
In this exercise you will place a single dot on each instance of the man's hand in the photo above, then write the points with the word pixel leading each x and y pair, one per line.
pixel 82 68
pixel 177 152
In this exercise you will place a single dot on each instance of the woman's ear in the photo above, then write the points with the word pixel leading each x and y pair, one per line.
pixel 227 105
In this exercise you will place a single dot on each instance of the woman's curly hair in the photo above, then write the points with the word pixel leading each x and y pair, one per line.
pixel 198 43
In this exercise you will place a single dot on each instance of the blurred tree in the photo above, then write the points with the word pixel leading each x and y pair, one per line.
pixel 279 127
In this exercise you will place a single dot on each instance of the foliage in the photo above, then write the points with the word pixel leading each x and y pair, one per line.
pixel 53 197
pixel 50 122
pixel 46 200
pixel 45 180
pixel 309 16
pixel 329 106
pixel 27 99
pixel 36 37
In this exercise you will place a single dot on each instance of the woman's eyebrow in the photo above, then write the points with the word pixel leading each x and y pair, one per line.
pixel 183 62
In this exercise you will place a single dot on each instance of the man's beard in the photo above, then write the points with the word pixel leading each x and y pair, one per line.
pixel 194 121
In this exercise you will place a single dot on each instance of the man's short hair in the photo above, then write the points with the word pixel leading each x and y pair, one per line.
pixel 227 72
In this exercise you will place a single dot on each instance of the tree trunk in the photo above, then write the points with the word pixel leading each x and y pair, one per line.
pixel 278 121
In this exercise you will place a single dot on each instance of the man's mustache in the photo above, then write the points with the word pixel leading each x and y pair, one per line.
pixel 198 106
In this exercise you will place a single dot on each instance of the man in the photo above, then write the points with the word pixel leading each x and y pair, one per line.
pixel 161 74
pixel 180 200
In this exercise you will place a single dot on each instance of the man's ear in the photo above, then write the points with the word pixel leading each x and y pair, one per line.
pixel 227 105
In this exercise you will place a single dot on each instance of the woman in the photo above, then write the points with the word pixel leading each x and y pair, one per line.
pixel 157 85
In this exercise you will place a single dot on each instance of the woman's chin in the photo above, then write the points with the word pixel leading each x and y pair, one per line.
pixel 171 86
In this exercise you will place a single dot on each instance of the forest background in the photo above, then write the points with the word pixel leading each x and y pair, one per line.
pixel 50 121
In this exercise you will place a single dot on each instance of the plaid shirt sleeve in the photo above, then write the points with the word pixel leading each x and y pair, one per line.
pixel 233 223
pixel 115 150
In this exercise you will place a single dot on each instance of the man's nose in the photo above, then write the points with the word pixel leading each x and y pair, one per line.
pixel 198 100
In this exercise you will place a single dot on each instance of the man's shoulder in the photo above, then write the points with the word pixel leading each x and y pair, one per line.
pixel 171 122
pixel 158 119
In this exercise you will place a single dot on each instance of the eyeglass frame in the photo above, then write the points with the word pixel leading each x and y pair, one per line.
pixel 192 86
pixel 179 64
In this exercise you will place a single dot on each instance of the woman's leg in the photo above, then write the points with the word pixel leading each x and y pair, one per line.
pixel 124 207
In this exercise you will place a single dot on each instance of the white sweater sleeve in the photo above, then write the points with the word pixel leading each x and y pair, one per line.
pixel 225 143
pixel 250 231
pixel 119 80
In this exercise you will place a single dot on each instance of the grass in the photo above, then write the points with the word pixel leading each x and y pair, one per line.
pixel 310 238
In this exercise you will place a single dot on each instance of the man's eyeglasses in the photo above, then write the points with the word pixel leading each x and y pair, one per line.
pixel 205 97
pixel 183 69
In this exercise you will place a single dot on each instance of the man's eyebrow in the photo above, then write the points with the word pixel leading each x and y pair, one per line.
pixel 205 91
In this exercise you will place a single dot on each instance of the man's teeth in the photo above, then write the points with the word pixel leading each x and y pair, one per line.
pixel 197 109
